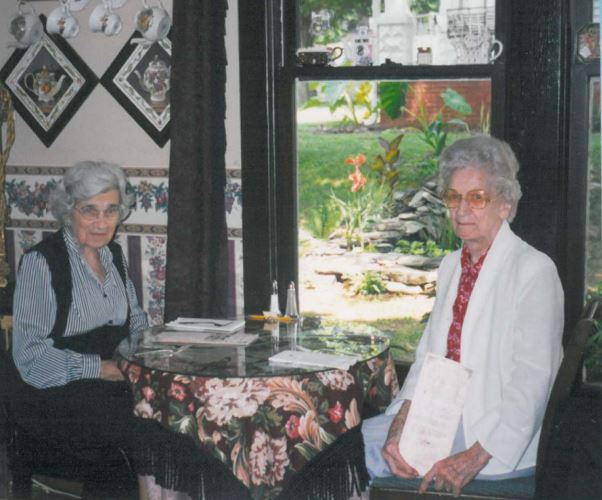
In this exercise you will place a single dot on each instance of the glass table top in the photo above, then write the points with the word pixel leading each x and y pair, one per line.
pixel 253 360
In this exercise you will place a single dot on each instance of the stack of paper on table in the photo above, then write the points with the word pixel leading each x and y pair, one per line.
pixel 206 325
pixel 222 332
pixel 314 358
pixel 432 422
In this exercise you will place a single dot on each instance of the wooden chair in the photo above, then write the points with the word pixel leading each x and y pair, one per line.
pixel 395 488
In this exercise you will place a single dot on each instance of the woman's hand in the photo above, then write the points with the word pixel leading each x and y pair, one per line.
pixel 110 371
pixel 453 473
pixel 395 461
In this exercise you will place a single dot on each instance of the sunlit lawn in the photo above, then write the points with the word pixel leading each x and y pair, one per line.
pixel 322 166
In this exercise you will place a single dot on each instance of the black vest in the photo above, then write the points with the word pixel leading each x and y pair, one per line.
pixel 102 340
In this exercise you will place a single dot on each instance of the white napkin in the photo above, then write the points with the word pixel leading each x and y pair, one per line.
pixel 314 358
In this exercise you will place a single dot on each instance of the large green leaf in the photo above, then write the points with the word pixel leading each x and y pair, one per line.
pixel 456 102
pixel 391 97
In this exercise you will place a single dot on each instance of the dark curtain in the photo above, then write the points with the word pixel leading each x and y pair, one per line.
pixel 197 251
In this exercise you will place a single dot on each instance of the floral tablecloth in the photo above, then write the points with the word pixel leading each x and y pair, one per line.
pixel 264 428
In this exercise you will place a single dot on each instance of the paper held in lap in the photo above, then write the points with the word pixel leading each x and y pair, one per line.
pixel 431 425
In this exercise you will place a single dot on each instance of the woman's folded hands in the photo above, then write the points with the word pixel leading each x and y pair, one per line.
pixel 456 471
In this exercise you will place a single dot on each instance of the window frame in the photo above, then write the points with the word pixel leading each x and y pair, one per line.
pixel 529 110
pixel 578 158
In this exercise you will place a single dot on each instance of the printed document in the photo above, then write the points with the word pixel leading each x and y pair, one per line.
pixel 432 422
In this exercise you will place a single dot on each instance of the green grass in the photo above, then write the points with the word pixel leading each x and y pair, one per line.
pixel 322 167
pixel 405 334
pixel 322 157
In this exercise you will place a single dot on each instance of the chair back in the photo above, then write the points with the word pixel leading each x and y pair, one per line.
pixel 563 385
pixel 593 308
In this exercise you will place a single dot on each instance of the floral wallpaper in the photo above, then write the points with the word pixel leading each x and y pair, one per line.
pixel 150 196
pixel 29 199
pixel 32 199
pixel 154 258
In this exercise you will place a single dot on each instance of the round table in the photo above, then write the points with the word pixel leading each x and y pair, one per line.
pixel 264 420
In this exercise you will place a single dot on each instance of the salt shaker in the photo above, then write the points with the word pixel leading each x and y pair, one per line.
pixel 291 301
pixel 274 307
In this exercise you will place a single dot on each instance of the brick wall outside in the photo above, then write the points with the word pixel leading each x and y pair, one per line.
pixel 476 92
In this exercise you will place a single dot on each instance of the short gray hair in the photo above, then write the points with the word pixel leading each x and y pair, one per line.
pixel 85 180
pixel 493 156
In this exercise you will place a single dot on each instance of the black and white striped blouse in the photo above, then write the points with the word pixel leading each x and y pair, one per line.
pixel 94 304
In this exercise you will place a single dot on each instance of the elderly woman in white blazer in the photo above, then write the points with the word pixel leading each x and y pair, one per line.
pixel 509 335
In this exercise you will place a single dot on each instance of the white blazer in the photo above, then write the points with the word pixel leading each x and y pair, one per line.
pixel 512 342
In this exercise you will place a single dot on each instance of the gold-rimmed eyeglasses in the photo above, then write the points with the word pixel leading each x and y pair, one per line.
pixel 476 198
pixel 92 212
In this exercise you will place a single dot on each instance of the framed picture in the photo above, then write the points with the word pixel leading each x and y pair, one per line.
pixel 139 79
pixel 588 43
pixel 48 82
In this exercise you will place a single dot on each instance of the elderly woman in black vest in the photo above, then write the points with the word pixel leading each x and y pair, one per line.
pixel 74 303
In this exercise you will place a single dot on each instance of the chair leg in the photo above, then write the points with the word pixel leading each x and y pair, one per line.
pixel 20 467
pixel 21 483
pixel 4 480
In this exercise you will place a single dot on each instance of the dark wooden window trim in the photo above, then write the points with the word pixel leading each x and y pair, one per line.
pixel 578 156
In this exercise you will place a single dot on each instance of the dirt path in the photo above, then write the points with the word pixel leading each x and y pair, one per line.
pixel 327 297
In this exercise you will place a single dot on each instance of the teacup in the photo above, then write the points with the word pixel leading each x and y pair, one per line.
pixel 318 57
pixel 61 22
pixel 153 23
pixel 26 27
pixel 104 20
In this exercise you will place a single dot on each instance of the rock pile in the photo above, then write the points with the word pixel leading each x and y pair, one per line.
pixel 421 215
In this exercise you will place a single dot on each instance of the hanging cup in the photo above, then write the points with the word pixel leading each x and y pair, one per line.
pixel 26 27
pixel 62 22
pixel 153 23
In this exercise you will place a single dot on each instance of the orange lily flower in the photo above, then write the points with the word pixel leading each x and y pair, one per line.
pixel 357 178
pixel 356 161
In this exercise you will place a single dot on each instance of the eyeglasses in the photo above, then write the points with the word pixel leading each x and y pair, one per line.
pixel 92 212
pixel 477 198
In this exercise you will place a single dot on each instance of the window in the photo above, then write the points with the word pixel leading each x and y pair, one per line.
pixel 349 81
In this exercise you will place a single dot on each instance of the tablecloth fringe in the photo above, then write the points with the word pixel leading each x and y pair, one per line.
pixel 336 473
pixel 178 464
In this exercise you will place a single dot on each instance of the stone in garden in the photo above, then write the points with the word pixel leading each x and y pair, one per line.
pixel 394 287
pixel 384 247
pixel 410 276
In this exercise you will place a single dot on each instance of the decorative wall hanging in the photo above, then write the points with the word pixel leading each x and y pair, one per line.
pixel 588 43
pixel 139 79
pixel 49 82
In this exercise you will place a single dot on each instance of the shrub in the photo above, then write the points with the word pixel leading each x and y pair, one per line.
pixel 323 220
pixel 371 284
pixel 428 248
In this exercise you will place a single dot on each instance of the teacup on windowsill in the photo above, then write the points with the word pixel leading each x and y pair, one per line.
pixel 318 56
